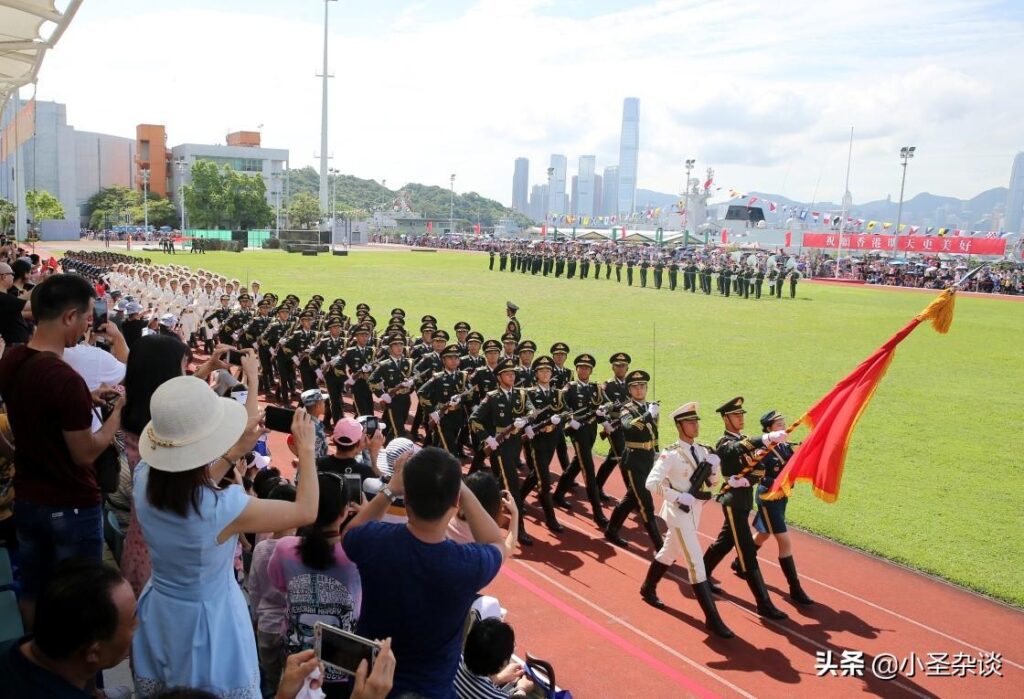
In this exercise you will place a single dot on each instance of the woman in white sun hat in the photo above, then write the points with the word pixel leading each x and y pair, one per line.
pixel 194 628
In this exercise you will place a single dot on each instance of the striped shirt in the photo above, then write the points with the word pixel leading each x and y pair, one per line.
pixel 470 686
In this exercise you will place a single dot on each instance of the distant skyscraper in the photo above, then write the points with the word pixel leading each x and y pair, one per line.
pixel 574 200
pixel 585 191
pixel 538 201
pixel 598 185
pixel 1015 197
pixel 610 196
pixel 557 189
pixel 629 150
pixel 521 186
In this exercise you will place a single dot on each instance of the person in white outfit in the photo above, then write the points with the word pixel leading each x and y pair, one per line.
pixel 672 479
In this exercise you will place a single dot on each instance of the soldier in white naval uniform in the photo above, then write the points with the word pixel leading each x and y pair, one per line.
pixel 680 509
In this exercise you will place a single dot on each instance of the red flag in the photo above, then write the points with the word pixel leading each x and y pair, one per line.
pixel 476 228
pixel 543 230
pixel 725 236
pixel 430 226
pixel 750 202
pixel 822 456
pixel 772 206
pixel 789 238
pixel 707 183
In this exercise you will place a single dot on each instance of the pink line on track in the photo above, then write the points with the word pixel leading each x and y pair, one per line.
pixel 654 663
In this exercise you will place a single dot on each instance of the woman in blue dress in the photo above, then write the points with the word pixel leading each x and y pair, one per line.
pixel 194 627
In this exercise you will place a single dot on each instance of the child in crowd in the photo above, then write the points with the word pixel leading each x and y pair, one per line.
pixel 487 670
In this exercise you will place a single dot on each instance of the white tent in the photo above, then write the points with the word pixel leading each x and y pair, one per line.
pixel 27 29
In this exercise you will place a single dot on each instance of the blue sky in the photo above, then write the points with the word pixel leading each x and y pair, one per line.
pixel 763 92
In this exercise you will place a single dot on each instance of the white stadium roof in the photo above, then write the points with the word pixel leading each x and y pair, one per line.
pixel 27 29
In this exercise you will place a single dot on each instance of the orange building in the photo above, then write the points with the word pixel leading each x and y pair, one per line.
pixel 151 154
pixel 249 139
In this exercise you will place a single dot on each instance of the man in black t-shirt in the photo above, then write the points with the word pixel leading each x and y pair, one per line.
pixel 349 440
pixel 14 328
pixel 133 323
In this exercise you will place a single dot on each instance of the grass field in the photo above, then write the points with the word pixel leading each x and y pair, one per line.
pixel 934 471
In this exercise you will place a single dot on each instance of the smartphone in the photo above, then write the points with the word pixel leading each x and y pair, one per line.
pixel 341 650
pixel 352 486
pixel 278 419
pixel 99 314
pixel 370 424
pixel 235 357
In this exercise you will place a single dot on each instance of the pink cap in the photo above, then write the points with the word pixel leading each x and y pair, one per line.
pixel 347 432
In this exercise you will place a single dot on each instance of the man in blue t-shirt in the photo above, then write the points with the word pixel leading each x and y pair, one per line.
pixel 418 585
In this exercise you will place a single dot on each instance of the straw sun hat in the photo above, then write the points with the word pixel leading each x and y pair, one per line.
pixel 190 427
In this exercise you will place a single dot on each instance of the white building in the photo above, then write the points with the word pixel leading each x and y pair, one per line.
pixel 252 160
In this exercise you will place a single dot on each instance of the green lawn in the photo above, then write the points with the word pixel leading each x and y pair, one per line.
pixel 933 474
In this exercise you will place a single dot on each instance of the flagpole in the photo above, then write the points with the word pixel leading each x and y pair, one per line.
pixel 842 222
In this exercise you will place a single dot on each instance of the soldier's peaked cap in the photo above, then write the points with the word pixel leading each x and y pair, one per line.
pixel 462 325
pixel 333 322
pixel 492 346
pixel 362 328
pixel 428 319
pixel 527 346
pixel 620 358
pixel 511 306
pixel 362 307
pixel 733 406
pixel 451 351
pixel 440 335
pixel 559 348
pixel 475 336
pixel 396 339
pixel 768 418
pixel 427 326
pixel 638 376
pixel 686 411
pixel 508 337
pixel 506 365
pixel 306 314
pixel 584 360
pixel 398 312
pixel 543 362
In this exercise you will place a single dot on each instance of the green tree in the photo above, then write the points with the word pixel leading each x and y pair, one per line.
pixel 161 212
pixel 205 197
pixel 7 214
pixel 304 210
pixel 106 207
pixel 43 205
pixel 245 204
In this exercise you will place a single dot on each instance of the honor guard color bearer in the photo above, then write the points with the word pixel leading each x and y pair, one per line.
pixel 770 520
pixel 392 383
pixel 683 476
pixel 512 323
pixel 541 439
pixel 736 451
pixel 499 422
pixel 584 399
pixel 640 422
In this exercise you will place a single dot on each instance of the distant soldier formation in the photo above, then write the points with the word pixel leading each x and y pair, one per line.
pixel 498 403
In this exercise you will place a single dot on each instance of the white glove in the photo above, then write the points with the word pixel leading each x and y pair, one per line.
pixel 336 361
pixel 686 499
pixel 366 368
pixel 491 443
pixel 716 463
pixel 600 412
pixel 349 381
pixel 573 425
pixel 777 437
pixel 273 351
pixel 385 398
pixel 738 482
pixel 295 361
pixel 320 375
pixel 435 417
pixel 519 423
pixel 653 409
pixel 556 419
pixel 455 400
pixel 407 383
pixel 528 432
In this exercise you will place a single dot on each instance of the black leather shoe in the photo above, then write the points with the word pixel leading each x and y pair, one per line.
pixel 615 538
pixel 601 521
pixel 525 539
pixel 608 499
pixel 561 501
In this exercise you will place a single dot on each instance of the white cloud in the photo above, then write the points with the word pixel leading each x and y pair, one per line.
pixel 765 93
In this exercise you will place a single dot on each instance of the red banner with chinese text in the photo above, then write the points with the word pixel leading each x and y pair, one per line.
pixel 926 244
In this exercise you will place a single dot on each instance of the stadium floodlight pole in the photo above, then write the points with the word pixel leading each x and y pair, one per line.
pixel 145 200
pixel 275 177
pixel 547 205
pixel 842 215
pixel 180 162
pixel 323 119
pixel 451 209
pixel 906 153
pixel 686 205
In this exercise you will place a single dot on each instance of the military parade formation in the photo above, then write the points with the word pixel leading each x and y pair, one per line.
pixel 740 274
pixel 503 404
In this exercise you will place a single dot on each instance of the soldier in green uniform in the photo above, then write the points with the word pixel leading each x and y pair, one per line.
pixel 779 281
pixel 216 319
pixel 597 267
pixel 231 329
pixel 295 349
pixel 502 260
pixel 618 269
pixel 673 274
pixel 462 329
pixel 608 266
pixel 736 450
pixel 725 279
pixel 268 350
pixel 659 272
pixel 629 269
pixel 561 376
pixel 559 264
pixel 644 264
pixel 392 383
pixel 325 357
pixel 427 365
pixel 441 397
pixel 483 379
pixel 705 277
pixel 472 359
pixel 584 265
pixel 525 351
pixel 639 420
pixel 512 323
pixel 584 398
pixel 504 413
pixel 540 445
pixel 358 364
pixel 491 263
pixel 793 277
pixel 758 282
pixel 616 391
pixel 571 266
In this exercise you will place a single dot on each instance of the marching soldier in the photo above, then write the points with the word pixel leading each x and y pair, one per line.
pixel 472 359
pixel 644 264
pixel 672 478
pixel 629 270
pixel 571 265
pixel 268 349
pixel 687 279
pixel 325 357
pixel 770 520
pixel 427 364
pixel 483 379
pixel 297 347
pixel 640 422
pixel 231 329
pixel 512 324
pixel 491 263
pixel 559 264
pixel 540 447
pixel 725 280
pixel 524 372
pixel 358 363
pixel 441 397
pixel 425 344
pixel 502 260
pixel 584 399
pixel 392 383
pixel 213 321
pixel 659 272
pixel 584 265
pixel 793 277
pixel 616 391
pixel 673 275
pixel 462 329
pixel 735 450
pixel 618 269
pixel 561 376
pixel 499 422
pixel 597 267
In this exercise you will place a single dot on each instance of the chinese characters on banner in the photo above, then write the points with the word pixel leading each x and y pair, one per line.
pixel 928 244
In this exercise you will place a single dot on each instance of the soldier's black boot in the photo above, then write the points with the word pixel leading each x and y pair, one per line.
pixel 524 538
pixel 550 520
pixel 765 607
pixel 652 531
pixel 736 564
pixel 796 592
pixel 649 589
pixel 712 621
pixel 611 532
pixel 560 490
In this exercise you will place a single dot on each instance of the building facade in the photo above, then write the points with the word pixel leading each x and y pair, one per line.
pixel 610 195
pixel 521 186
pixel 585 191
pixel 1015 197
pixel 556 194
pixel 629 151
pixel 268 163
pixel 538 202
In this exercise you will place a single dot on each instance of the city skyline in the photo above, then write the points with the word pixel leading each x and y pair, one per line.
pixel 778 91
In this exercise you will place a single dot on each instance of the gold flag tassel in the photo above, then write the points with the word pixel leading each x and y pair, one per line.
pixel 940 311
